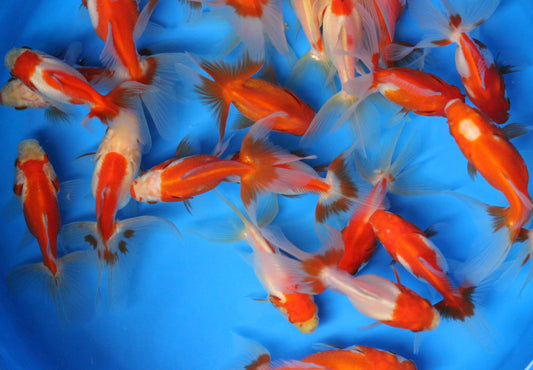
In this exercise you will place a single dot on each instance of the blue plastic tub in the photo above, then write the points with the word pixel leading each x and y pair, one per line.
pixel 190 296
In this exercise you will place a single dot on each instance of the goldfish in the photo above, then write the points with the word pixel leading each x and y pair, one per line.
pixel 350 358
pixel 60 84
pixel 389 169
pixel 253 97
pixel 373 296
pixel 117 161
pixel 408 245
pixel 482 79
pixel 260 167
pixel 416 91
pixel 298 308
pixel 251 20
pixel 489 151
pixel 119 24
pixel 64 279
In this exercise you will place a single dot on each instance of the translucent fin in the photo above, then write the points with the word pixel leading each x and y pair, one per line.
pixel 331 116
pixel 72 289
pixel 493 252
pixel 144 17
pixel 514 130
pixel 255 356
pixel 273 25
pixel 164 86
pixel 472 13
pixel 125 250
pixel 108 56
pixel 436 26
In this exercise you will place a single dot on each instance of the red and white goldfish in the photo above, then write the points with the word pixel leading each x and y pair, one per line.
pixel 253 97
pixel 117 161
pixel 65 279
pixel 350 358
pixel 481 76
pixel 298 308
pixel 60 84
pixel 260 167
pixel 373 296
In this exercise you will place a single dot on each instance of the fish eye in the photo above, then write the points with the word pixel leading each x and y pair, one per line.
pixel 16 162
pixel 20 107
pixel 26 47
pixel 11 78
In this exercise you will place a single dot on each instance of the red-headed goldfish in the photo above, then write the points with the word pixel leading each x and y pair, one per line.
pixel 298 308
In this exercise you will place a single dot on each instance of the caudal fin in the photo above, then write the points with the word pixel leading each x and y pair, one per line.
pixel 459 306
pixel 72 289
pixel 273 169
pixel 342 193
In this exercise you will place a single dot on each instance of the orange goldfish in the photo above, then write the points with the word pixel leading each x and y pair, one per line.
pixel 350 358
pixel 253 97
pixel 490 152
pixel 119 23
pixel 117 162
pixel 408 245
pixel 481 77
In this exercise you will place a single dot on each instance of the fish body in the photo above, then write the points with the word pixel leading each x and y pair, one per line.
pixel 37 186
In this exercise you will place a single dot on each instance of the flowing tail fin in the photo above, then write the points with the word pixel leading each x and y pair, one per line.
pixel 120 254
pixel 163 81
pixel 460 306
pixel 273 169
pixel 342 193
pixel 72 288
pixel 442 29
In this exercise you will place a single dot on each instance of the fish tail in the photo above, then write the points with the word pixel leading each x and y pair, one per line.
pixel 72 288
pixel 343 190
pixel 123 96
pixel 164 78
pixel 272 169
pixel 460 306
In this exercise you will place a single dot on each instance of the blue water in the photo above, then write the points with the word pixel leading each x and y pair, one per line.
pixel 191 296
